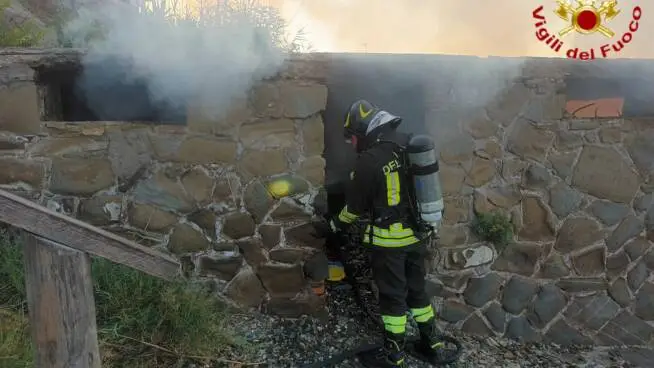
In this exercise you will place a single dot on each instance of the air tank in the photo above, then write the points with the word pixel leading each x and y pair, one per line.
pixel 426 179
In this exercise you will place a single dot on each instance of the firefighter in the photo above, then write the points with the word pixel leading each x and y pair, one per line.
pixel 376 191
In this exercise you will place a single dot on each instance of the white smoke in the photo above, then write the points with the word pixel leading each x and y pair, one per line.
pixel 210 59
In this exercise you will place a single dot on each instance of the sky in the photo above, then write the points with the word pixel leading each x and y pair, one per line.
pixel 469 27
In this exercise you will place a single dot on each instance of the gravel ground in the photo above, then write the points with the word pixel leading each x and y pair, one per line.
pixel 297 342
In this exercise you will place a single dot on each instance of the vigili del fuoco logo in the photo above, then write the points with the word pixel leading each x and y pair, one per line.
pixel 587 17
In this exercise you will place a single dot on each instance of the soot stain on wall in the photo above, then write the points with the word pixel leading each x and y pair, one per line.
pixel 106 90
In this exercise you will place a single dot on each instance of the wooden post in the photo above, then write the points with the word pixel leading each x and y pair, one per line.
pixel 61 305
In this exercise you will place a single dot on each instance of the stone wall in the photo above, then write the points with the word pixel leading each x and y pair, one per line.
pixel 576 184
pixel 199 191
pixel 577 187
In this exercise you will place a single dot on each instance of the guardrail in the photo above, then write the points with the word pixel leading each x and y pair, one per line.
pixel 58 278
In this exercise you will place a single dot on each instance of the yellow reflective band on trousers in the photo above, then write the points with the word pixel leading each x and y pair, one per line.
pixel 393 188
pixel 395 324
pixel 394 237
pixel 346 216
pixel 423 315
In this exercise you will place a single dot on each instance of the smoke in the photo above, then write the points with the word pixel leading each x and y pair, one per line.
pixel 210 60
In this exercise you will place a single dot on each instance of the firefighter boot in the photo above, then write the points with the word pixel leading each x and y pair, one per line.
pixel 391 355
pixel 431 343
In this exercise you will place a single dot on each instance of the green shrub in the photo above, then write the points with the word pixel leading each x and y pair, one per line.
pixel 142 321
pixel 26 34
pixel 494 227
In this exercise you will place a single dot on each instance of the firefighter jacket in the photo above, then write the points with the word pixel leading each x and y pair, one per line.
pixel 377 190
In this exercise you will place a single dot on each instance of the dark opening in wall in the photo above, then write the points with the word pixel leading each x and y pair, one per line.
pixel 105 91
pixel 637 93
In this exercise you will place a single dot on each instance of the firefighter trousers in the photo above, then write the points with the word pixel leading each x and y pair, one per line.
pixel 399 274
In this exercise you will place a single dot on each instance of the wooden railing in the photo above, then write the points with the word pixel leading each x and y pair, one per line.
pixel 58 279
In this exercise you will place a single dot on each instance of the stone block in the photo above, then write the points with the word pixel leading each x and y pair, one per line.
pixel 19 104
pixel 226 191
pixel 637 276
pixel 481 127
pixel 616 264
pixel 282 279
pixel 505 196
pixel 268 134
pixel 458 150
pixel 549 302
pixel 101 210
pixel 70 147
pixel 453 311
pixel 258 200
pixel 567 141
pixel 163 191
pixel 263 163
pixel 10 141
pixel 198 186
pixel 457 210
pixel 626 329
pixel 563 334
pixel 592 312
pixel 270 235
pixel 537 223
pixel 313 134
pixel 253 252
pixel 517 294
pixel 129 152
pixel 475 325
pixel 496 316
pixel 288 211
pixel 536 176
pixel 554 267
pixel 577 233
pixel 604 173
pixel 610 135
pixel 150 218
pixel 289 255
pixel 246 289
pixel 202 117
pixel 165 144
pixel 513 169
pixel 529 142
pixel 238 225
pixel 619 291
pixel 637 248
pixel 186 239
pixel 581 284
pixel 509 104
pixel 520 329
pixel 77 176
pixel 563 164
pixel 313 170
pixel 452 178
pixel 640 146
pixel 481 172
pixel 482 289
pixel 607 212
pixel 644 303
pixel 590 262
pixel 629 228
pixel 304 236
pixel 519 258
pixel 564 200
pixel 452 236
pixel 206 219
pixel 204 151
pixel 14 171
pixel 224 268
pixel 301 100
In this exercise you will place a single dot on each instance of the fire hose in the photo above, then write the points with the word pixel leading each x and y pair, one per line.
pixel 358 275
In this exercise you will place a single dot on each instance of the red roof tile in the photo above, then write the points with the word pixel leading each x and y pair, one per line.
pixel 600 108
